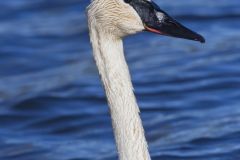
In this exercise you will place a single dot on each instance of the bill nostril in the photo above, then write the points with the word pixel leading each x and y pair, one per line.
pixel 170 22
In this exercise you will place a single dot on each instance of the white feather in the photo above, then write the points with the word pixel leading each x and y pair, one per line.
pixel 109 21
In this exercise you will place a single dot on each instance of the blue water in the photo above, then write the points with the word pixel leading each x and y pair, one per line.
pixel 52 105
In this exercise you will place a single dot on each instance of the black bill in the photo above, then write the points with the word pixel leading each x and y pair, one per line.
pixel 157 21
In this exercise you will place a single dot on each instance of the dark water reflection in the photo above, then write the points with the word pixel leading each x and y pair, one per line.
pixel 53 106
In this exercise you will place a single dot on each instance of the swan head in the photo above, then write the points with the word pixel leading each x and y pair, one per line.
pixel 125 17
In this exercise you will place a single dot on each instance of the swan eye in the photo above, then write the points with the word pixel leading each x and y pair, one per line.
pixel 127 1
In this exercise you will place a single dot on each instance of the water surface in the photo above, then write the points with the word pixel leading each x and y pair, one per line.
pixel 52 105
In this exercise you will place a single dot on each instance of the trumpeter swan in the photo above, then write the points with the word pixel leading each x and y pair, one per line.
pixel 109 21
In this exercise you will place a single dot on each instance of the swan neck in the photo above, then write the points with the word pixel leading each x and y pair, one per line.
pixel 115 77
